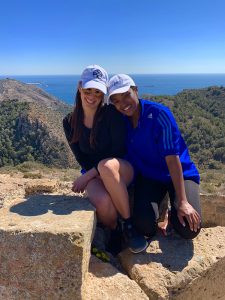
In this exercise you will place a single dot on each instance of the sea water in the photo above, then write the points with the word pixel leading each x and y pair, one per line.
pixel 64 86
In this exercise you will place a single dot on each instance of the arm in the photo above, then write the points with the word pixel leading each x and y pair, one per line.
pixel 184 208
pixel 169 144
pixel 81 182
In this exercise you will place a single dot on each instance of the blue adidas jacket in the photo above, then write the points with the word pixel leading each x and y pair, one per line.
pixel 156 136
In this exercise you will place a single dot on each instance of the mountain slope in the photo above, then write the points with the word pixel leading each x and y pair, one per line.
pixel 201 117
pixel 31 126
pixel 11 89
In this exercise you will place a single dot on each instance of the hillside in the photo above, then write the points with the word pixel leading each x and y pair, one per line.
pixel 31 126
pixel 201 118
pixel 11 89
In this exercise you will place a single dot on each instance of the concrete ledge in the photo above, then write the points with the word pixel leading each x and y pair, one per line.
pixel 174 268
pixel 45 247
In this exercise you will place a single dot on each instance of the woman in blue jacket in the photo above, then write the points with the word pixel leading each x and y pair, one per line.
pixel 161 160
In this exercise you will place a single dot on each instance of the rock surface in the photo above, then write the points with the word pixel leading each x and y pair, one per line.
pixel 213 210
pixel 174 268
pixel 45 247
pixel 14 187
pixel 38 186
pixel 103 281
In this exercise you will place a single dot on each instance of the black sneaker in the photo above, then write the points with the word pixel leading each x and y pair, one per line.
pixel 135 241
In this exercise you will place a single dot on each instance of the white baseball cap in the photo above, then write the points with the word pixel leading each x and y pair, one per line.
pixel 120 83
pixel 95 77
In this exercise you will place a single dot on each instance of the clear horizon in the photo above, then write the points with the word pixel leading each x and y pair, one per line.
pixel 144 37
pixel 3 75
pixel 64 86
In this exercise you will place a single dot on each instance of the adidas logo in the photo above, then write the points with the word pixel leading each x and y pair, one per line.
pixel 150 116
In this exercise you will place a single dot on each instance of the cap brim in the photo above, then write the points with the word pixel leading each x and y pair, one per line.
pixel 121 90
pixel 92 84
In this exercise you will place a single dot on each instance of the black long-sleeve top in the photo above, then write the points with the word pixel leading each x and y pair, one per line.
pixel 110 139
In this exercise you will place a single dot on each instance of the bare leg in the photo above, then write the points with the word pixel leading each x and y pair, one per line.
pixel 116 175
pixel 101 200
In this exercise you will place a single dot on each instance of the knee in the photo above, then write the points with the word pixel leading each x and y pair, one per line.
pixel 108 167
pixel 185 231
pixel 188 234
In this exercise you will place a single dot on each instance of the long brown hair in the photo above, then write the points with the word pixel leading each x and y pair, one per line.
pixel 77 121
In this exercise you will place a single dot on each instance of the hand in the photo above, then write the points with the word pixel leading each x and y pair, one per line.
pixel 186 210
pixel 80 184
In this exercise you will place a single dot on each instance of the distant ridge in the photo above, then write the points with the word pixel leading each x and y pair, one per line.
pixel 23 92
pixel 31 126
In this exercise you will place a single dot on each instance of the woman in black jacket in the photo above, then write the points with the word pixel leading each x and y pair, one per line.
pixel 96 134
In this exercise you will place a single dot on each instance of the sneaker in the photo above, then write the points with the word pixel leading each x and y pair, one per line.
pixel 135 241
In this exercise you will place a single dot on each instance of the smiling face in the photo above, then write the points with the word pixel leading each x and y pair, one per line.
pixel 126 103
pixel 91 98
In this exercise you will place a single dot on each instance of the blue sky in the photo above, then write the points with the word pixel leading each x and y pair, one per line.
pixel 142 36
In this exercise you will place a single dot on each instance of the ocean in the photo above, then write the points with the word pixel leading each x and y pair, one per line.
pixel 64 86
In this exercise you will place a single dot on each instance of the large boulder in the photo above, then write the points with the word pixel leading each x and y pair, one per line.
pixel 45 247
pixel 174 268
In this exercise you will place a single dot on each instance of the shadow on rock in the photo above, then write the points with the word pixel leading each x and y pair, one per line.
pixel 59 205
pixel 174 252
